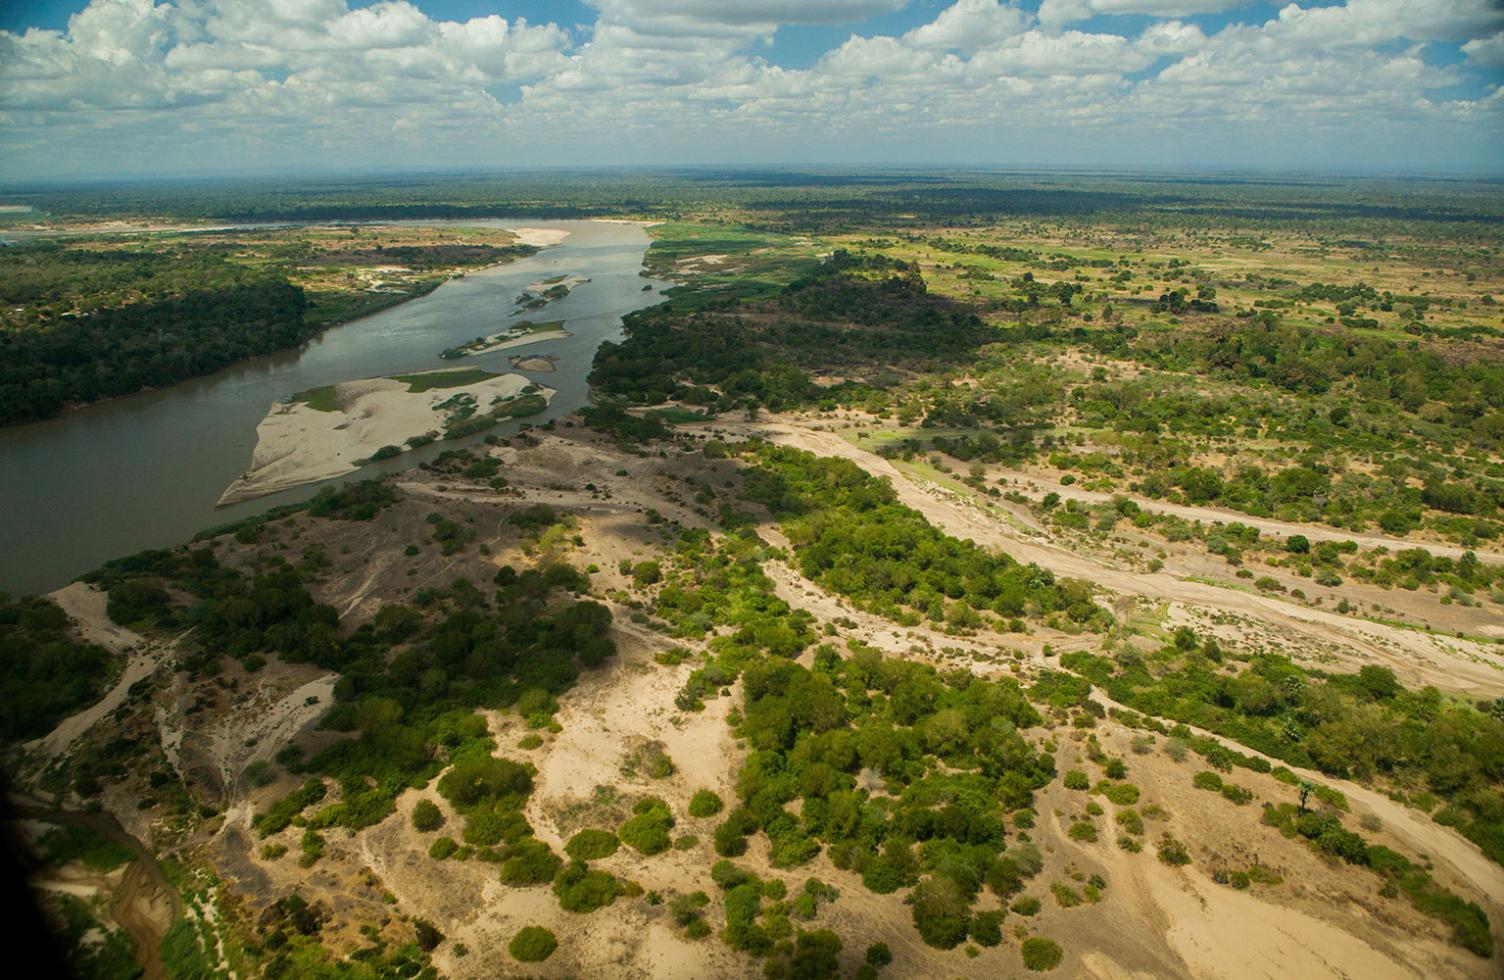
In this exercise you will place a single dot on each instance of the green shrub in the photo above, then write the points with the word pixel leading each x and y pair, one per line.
pixel 1123 794
pixel 1237 794
pixel 532 944
pixel 1207 780
pixel 529 862
pixel 1028 905
pixel 1172 851
pixel 1076 779
pixel 647 831
pixel 1082 830
pixel 878 954
pixel 427 816
pixel 987 927
pixel 704 804
pixel 580 889
pixel 1041 954
pixel 941 912
pixel 592 844
pixel 442 848
pixel 1065 896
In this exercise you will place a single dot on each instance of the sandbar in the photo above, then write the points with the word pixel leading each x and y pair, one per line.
pixel 298 443
pixel 505 341
pixel 540 237
pixel 535 362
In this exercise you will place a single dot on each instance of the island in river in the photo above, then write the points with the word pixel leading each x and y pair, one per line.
pixel 519 334
pixel 336 429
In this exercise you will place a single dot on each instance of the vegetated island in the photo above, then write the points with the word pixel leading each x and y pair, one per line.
pixel 519 334
pixel 539 294
pixel 336 429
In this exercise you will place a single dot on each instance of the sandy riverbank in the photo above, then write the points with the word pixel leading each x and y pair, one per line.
pixel 297 444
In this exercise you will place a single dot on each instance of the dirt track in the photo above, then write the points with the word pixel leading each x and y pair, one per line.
pixel 1417 658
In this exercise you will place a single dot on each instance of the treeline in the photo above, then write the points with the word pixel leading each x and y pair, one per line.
pixel 1309 362
pixel 851 535
pixel 142 345
pixel 856 313
pixel 45 674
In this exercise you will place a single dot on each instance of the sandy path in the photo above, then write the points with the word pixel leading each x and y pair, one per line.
pixel 1418 658
pixel 85 605
pixel 1425 836
pixel 1220 515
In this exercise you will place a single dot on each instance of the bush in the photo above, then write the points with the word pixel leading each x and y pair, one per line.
pixel 529 862
pixel 532 944
pixel 1237 794
pixel 1041 954
pixel 1082 830
pixel 427 817
pixel 1172 851
pixel 705 804
pixel 592 844
pixel 878 954
pixel 428 935
pixel 941 912
pixel 1076 779
pixel 580 889
pixel 1122 794
pixel 1028 905
pixel 987 927
pixel 647 831
pixel 478 779
pixel 442 848
pixel 1207 780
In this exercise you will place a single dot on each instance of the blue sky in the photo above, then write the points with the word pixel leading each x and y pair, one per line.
pixel 129 87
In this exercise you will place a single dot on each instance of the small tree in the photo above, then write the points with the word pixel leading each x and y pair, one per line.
pixel 1306 787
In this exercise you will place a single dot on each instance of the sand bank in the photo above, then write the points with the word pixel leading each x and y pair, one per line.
pixel 568 282
pixel 541 237
pixel 546 362
pixel 505 341
pixel 298 443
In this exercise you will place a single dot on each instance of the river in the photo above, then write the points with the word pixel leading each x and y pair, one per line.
pixel 144 471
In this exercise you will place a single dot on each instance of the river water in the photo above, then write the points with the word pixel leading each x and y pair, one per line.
pixel 145 471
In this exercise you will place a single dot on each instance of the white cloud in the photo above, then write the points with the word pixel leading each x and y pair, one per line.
pixel 1053 13
pixel 138 85
pixel 1486 52
pixel 735 17
pixel 969 25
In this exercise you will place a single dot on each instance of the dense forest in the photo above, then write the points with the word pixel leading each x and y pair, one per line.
pixel 807 198
pixel 852 313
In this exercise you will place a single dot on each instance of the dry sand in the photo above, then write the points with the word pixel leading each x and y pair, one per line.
pixel 85 605
pixel 507 341
pixel 541 237
pixel 297 444
pixel 568 282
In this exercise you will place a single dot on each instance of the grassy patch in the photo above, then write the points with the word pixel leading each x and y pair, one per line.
pixel 430 380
